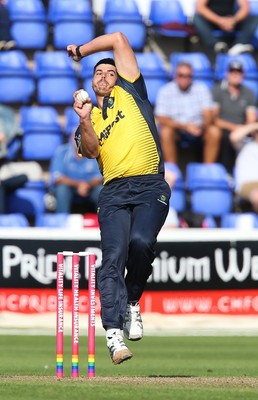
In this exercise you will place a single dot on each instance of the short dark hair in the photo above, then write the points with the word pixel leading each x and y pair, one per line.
pixel 105 61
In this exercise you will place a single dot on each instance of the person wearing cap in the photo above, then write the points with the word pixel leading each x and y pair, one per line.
pixel 120 132
pixel 234 106
pixel 229 16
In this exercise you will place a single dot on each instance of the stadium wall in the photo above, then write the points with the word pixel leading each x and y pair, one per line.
pixel 196 271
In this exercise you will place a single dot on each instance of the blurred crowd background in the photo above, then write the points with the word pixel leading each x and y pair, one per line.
pixel 199 61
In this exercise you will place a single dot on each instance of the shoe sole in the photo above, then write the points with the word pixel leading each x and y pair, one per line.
pixel 132 338
pixel 121 356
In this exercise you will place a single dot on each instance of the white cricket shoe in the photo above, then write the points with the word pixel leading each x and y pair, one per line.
pixel 240 48
pixel 133 327
pixel 117 349
pixel 221 47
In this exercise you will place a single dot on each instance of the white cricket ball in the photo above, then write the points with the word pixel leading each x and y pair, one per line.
pixel 82 96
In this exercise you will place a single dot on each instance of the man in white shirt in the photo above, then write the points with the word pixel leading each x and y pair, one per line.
pixel 183 111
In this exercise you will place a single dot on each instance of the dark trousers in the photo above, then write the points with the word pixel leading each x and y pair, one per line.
pixel 7 186
pixel 227 154
pixel 131 214
pixel 4 24
pixel 206 29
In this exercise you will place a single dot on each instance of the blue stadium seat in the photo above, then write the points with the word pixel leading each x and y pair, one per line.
pixel 124 16
pixel 17 81
pixel 28 200
pixel 154 72
pixel 37 117
pixel 167 18
pixel 72 21
pixel 57 220
pixel 135 31
pixel 202 68
pixel 178 195
pixel 15 220
pixel 253 4
pixel 56 77
pixel 210 189
pixel 42 133
pixel 14 147
pixel 241 221
pixel 72 121
pixel 29 26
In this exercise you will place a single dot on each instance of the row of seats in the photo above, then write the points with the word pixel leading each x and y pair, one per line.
pixel 54 76
pixel 42 132
pixel 207 188
pixel 211 192
pixel 74 20
pixel 46 220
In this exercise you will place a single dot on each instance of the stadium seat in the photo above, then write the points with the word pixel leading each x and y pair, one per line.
pixel 210 190
pixel 178 195
pixel 57 220
pixel 167 18
pixel 124 16
pixel 241 221
pixel 202 69
pixel 28 200
pixel 71 121
pixel 253 4
pixel 56 77
pixel 15 220
pixel 17 81
pixel 29 26
pixel 42 133
pixel 14 147
pixel 135 31
pixel 154 72
pixel 72 21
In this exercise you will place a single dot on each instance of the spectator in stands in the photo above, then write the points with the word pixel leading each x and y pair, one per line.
pixel 9 181
pixel 230 16
pixel 9 129
pixel 245 138
pixel 172 220
pixel 234 106
pixel 72 176
pixel 183 111
pixel 6 40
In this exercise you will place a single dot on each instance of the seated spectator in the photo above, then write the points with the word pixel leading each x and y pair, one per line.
pixel 172 220
pixel 228 16
pixel 72 176
pixel 246 168
pixel 10 180
pixel 6 40
pixel 9 129
pixel 234 107
pixel 183 111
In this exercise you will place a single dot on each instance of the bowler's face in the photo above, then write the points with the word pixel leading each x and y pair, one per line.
pixel 104 79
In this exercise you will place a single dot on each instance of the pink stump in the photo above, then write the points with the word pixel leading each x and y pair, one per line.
pixel 75 315
pixel 60 316
pixel 91 314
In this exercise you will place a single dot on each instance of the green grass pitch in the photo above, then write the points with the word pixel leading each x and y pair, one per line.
pixel 178 368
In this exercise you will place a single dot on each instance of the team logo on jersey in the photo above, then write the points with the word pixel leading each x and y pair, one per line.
pixel 163 199
pixel 111 101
